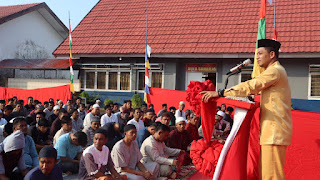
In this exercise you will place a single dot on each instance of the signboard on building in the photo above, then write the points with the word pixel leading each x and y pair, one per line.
pixel 208 67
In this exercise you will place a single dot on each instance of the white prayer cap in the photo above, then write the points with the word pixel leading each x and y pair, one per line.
pixel 95 106
pixel 179 119
pixel 14 141
pixel 56 107
pixel 221 113
pixel 60 101
pixel 97 101
pixel 181 102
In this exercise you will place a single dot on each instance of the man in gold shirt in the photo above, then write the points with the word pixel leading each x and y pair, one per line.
pixel 275 108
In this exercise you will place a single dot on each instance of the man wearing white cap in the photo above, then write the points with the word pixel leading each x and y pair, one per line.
pixel 98 102
pixel 95 112
pixel 54 115
pixel 221 126
pixel 180 112
pixel 60 103
pixel 179 138
pixel 11 156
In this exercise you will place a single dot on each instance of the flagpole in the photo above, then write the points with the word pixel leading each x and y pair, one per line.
pixel 147 65
pixel 70 59
pixel 275 7
pixel 147 26
pixel 275 33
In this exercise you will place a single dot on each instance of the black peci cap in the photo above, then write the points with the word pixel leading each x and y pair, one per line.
pixel 269 43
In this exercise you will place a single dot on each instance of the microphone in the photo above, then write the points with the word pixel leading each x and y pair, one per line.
pixel 240 66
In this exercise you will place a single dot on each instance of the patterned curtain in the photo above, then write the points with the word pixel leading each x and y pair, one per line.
pixel 156 79
pixel 125 81
pixel 112 80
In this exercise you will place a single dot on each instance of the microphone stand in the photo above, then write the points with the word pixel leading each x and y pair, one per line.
pixel 231 74
pixel 227 80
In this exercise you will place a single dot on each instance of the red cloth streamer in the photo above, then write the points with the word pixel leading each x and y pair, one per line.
pixel 193 96
pixel 43 94
pixel 205 156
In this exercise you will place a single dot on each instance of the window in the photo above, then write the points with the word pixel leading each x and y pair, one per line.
pixel 101 78
pixel 118 77
pixel 156 79
pixel 82 79
pixel 90 79
pixel 141 82
pixel 314 71
pixel 246 73
pixel 113 80
pixel 245 77
pixel 124 80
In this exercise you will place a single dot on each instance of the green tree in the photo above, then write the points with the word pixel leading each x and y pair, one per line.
pixel 108 101
pixel 137 101
pixel 90 99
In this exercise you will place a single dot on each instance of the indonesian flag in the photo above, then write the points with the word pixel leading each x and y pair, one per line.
pixel 257 70
pixel 70 61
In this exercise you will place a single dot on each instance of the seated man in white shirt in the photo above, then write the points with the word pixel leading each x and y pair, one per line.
pixel 126 156
pixel 136 119
pixel 95 112
pixel 180 112
pixel 222 127
pixel 154 150
pixel 108 117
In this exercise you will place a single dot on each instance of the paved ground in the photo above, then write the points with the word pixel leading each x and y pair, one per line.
pixel 70 177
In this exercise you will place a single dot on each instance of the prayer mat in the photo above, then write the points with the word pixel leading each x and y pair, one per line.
pixel 186 172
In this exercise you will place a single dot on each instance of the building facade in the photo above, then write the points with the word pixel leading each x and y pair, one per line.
pixel 190 41
pixel 30 31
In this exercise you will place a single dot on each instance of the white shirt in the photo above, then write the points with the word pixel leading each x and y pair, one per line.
pixel 3 121
pixel 82 114
pixel 87 120
pixel 48 112
pixel 77 125
pixel 139 125
pixel 106 119
pixel 180 114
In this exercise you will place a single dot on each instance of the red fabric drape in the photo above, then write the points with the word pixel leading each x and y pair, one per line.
pixel 303 155
pixel 159 96
pixel 208 112
pixel 42 94
pixel 237 155
pixel 253 148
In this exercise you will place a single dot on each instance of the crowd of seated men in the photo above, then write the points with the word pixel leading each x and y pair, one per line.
pixel 45 140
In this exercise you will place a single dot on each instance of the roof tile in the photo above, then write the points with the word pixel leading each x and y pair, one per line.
pixel 9 10
pixel 188 26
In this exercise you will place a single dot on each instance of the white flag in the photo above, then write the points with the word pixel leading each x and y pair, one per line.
pixel 148 51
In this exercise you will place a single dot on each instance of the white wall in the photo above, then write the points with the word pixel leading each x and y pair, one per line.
pixel 31 26
pixel 40 83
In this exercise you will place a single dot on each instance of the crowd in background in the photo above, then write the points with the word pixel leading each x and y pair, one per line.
pixel 119 142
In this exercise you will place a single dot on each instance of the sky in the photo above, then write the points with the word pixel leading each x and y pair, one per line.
pixel 78 8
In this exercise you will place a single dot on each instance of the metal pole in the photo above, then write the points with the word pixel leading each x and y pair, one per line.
pixel 147 27
pixel 275 6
